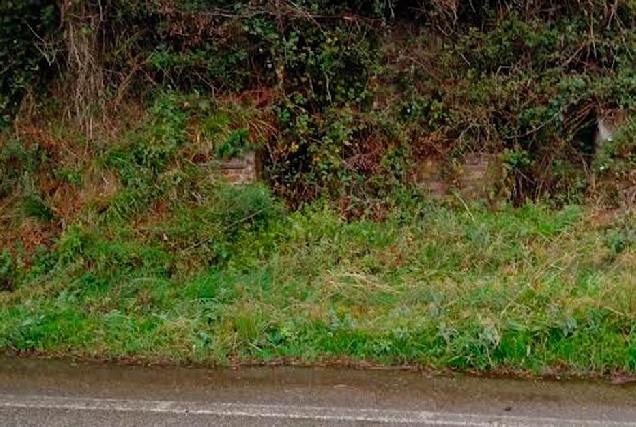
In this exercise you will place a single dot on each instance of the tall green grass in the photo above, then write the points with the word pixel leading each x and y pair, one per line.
pixel 238 279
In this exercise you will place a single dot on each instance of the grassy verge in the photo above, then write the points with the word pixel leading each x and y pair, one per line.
pixel 529 289
pixel 130 248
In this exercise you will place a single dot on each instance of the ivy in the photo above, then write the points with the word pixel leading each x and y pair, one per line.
pixel 515 77
pixel 25 49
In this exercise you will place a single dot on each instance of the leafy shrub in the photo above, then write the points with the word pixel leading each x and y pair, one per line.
pixel 25 29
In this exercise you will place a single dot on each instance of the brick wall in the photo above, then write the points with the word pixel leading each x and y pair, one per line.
pixel 474 176
pixel 241 170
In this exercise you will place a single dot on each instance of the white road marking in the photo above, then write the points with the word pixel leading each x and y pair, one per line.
pixel 246 410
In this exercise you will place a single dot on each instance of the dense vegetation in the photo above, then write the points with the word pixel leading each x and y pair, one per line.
pixel 350 91
pixel 118 238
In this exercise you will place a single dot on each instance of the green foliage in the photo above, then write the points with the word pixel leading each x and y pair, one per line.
pixel 163 134
pixel 619 240
pixel 21 166
pixel 144 156
pixel 618 155
pixel 34 206
pixel 17 162
pixel 7 272
pixel 203 232
pixel 234 145
pixel 25 28
pixel 349 84
pixel 212 231
pixel 614 163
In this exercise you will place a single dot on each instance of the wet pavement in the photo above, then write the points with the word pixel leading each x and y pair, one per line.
pixel 54 393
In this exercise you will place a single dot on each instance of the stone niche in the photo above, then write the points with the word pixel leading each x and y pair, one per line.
pixel 608 122
pixel 241 170
pixel 473 176
pixel 613 189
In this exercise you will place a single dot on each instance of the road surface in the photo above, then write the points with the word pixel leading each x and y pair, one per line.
pixel 50 393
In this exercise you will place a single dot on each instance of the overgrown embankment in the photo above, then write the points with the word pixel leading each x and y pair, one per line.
pixel 354 93
pixel 119 238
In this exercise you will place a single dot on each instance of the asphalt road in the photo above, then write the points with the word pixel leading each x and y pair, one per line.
pixel 48 393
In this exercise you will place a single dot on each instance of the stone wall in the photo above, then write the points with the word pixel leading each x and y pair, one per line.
pixel 616 188
pixel 473 176
pixel 608 122
pixel 240 170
